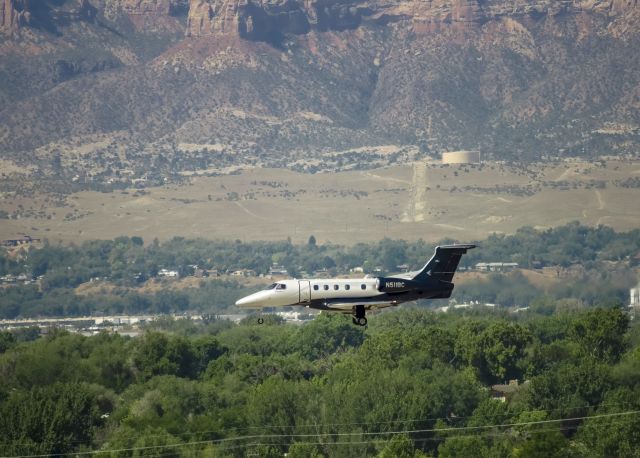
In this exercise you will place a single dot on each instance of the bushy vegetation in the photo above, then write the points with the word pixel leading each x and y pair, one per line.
pixel 414 384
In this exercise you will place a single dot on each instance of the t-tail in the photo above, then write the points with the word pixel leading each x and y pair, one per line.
pixel 442 266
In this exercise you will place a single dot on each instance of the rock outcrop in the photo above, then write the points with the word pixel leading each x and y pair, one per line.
pixel 159 7
pixel 260 19
pixel 431 15
pixel 622 6
pixel 17 13
pixel 13 14
pixel 268 21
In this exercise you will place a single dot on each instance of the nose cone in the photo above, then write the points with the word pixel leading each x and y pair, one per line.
pixel 255 300
pixel 244 301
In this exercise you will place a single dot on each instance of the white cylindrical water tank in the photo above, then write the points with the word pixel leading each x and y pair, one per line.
pixel 461 157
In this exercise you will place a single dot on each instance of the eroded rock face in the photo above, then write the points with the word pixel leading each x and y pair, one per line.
pixel 161 7
pixel 431 15
pixel 257 19
pixel 267 20
pixel 13 14
pixel 262 20
pixel 622 6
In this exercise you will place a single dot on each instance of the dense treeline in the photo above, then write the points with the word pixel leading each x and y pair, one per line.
pixel 127 262
pixel 414 384
pixel 587 289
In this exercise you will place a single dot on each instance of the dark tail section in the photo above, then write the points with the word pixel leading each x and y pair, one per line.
pixel 443 264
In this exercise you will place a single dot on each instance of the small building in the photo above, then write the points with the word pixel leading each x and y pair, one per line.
pixel 496 266
pixel 504 392
pixel 8 279
pixel 278 270
pixel 26 240
pixel 243 273
pixel 165 273
pixel 201 272
pixel 322 273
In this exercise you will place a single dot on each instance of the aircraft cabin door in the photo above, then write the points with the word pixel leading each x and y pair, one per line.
pixel 305 291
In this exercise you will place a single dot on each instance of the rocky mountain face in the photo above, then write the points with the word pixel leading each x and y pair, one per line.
pixel 270 21
pixel 271 80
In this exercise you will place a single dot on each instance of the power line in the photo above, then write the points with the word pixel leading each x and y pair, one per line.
pixel 323 425
pixel 227 447
pixel 346 434
pixel 316 425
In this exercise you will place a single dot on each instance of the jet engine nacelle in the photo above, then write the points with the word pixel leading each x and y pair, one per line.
pixel 394 285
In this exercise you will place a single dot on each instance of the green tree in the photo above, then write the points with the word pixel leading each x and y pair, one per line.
pixel 503 346
pixel 551 444
pixel 617 436
pixel 400 446
pixel 54 419
pixel 7 340
pixel 326 335
pixel 302 450
pixel 311 243
pixel 602 333
pixel 566 388
pixel 495 351
pixel 206 349
pixel 159 354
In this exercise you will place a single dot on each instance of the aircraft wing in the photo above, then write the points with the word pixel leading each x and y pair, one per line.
pixel 347 307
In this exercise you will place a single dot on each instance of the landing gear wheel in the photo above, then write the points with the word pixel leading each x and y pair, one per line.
pixel 260 320
pixel 359 316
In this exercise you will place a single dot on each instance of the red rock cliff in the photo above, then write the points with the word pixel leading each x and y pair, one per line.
pixel 162 7
pixel 261 20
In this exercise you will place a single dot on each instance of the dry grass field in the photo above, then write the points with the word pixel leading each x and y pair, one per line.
pixel 411 201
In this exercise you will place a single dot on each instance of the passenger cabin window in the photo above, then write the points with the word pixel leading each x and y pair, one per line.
pixel 326 287
pixel 315 287
pixel 336 287
pixel 281 286
pixel 363 286
pixel 347 287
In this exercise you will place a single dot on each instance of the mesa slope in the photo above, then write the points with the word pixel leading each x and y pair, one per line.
pixel 105 84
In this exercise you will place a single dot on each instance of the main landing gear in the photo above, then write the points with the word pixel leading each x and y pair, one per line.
pixel 359 317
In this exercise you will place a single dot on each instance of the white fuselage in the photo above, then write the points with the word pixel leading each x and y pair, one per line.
pixel 302 292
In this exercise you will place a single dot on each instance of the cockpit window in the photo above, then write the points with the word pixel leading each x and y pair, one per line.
pixel 272 286
pixel 281 286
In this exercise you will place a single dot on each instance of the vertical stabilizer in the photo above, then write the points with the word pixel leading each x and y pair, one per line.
pixel 444 263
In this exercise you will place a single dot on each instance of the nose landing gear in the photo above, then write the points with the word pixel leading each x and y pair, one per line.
pixel 359 317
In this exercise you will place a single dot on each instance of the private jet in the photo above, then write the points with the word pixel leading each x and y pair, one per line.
pixel 357 296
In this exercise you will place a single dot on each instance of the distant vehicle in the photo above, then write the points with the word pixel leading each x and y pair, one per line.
pixel 356 296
